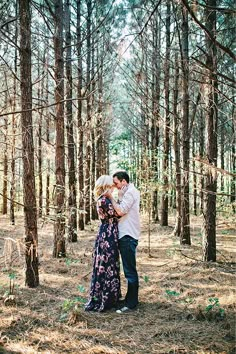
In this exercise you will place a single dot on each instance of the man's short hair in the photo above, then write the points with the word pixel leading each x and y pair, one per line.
pixel 120 175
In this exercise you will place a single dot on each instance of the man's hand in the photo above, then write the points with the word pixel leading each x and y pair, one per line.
pixel 108 194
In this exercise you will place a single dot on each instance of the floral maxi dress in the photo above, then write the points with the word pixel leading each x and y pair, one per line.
pixel 105 283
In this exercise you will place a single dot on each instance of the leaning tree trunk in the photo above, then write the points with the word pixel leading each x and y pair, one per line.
pixel 72 221
pixel 209 226
pixel 185 220
pixel 29 193
pixel 59 225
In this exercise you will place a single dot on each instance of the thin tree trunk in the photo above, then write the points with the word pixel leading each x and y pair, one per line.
pixel 185 219
pixel 48 143
pixel 40 186
pixel 72 222
pixel 93 131
pixel 209 227
pixel 5 160
pixel 155 114
pixel 233 161
pixel 59 249
pixel 222 155
pixel 194 178
pixel 88 123
pixel 201 150
pixel 177 229
pixel 80 122
pixel 164 200
pixel 13 127
pixel 29 193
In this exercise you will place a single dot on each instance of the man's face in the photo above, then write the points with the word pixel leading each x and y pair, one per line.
pixel 119 184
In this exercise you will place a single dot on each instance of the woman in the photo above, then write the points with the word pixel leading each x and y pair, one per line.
pixel 105 283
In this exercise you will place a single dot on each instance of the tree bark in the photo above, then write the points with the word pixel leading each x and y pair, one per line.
pixel 177 229
pixel 209 227
pixel 72 221
pixel 80 122
pixel 29 193
pixel 185 220
pixel 164 199
pixel 5 161
pixel 87 189
pixel 59 225
pixel 155 113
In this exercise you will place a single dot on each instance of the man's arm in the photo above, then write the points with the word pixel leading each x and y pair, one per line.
pixel 124 206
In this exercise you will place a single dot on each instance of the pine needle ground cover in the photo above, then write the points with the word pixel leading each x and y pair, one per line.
pixel 186 305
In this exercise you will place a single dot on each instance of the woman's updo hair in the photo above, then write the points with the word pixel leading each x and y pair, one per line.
pixel 102 185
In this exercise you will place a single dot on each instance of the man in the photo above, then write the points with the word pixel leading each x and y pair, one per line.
pixel 129 231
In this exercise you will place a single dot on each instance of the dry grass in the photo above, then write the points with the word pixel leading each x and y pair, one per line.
pixel 175 286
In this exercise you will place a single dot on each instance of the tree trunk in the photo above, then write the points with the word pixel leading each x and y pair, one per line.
pixel 5 160
pixel 93 129
pixel 222 155
pixel 185 220
pixel 59 225
pixel 72 221
pixel 233 162
pixel 201 150
pixel 48 143
pixel 29 193
pixel 164 199
pixel 13 127
pixel 194 176
pixel 155 114
pixel 209 229
pixel 40 186
pixel 177 229
pixel 80 122
pixel 87 189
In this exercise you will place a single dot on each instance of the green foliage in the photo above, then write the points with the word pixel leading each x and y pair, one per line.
pixel 73 304
pixel 146 278
pixel 69 261
pixel 81 288
pixel 213 305
pixel 171 293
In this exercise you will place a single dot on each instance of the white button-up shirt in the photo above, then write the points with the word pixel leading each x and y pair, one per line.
pixel 129 224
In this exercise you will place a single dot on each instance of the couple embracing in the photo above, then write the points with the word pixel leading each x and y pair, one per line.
pixel 118 232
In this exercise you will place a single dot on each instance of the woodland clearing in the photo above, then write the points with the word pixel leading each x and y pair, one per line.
pixel 186 305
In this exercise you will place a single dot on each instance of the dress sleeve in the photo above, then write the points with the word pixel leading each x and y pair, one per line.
pixel 106 209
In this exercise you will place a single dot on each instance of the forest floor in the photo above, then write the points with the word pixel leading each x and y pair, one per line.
pixel 186 305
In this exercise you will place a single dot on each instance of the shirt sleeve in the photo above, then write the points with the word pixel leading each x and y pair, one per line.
pixel 127 202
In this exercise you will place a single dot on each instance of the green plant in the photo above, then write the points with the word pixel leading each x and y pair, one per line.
pixel 146 278
pixel 171 293
pixel 214 304
pixel 69 261
pixel 73 304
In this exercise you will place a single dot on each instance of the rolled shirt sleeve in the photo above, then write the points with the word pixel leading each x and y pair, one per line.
pixel 126 203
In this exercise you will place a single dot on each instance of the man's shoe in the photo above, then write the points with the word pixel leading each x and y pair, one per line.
pixel 124 309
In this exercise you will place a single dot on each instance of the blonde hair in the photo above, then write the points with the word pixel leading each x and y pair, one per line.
pixel 102 185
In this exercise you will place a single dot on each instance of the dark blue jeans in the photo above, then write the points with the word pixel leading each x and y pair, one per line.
pixel 127 247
